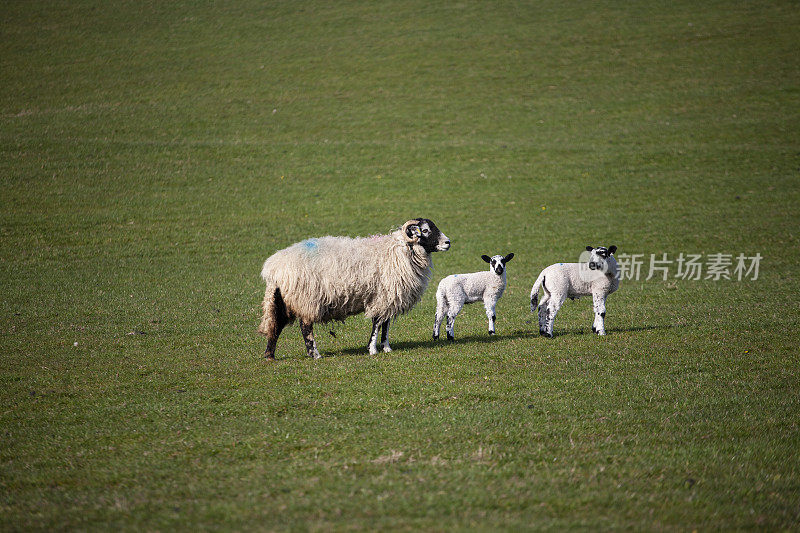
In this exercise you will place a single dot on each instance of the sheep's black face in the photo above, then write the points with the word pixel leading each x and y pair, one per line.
pixel 497 263
pixel 430 238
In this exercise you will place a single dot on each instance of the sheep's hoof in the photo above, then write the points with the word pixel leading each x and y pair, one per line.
pixel 594 329
pixel 435 337
pixel 269 357
pixel 387 348
pixel 373 350
pixel 315 355
pixel 450 337
pixel 491 332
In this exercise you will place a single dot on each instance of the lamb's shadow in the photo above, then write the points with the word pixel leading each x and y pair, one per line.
pixel 588 331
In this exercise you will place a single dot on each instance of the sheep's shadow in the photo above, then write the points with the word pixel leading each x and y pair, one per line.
pixel 490 339
pixel 431 343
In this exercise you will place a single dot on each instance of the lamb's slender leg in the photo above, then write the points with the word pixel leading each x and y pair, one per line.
pixel 599 326
pixel 441 310
pixel 491 316
pixel 553 305
pixel 308 336
pixel 451 321
pixel 385 336
pixel 373 337
pixel 453 308
pixel 543 314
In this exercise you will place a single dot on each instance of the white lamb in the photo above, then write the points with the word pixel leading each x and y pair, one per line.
pixel 331 278
pixel 595 275
pixel 458 289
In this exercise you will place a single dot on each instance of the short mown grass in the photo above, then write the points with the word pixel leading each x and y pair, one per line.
pixel 153 154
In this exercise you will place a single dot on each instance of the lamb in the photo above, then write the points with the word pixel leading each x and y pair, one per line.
pixel 458 289
pixel 331 278
pixel 595 275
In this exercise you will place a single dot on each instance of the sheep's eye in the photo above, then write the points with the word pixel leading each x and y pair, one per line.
pixel 425 232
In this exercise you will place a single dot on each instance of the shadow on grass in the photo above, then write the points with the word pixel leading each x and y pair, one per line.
pixel 487 339
pixel 633 329
pixel 430 343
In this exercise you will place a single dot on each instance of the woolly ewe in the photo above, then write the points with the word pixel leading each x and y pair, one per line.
pixel 331 278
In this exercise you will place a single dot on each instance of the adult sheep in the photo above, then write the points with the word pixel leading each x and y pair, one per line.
pixel 331 278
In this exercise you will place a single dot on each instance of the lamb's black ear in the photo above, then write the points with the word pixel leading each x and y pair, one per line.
pixel 589 248
pixel 612 250
pixel 486 258
pixel 508 258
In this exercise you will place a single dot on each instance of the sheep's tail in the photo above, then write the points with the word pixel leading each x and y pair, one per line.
pixel 274 311
pixel 535 292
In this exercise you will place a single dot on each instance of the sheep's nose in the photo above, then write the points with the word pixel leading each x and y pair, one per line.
pixel 447 243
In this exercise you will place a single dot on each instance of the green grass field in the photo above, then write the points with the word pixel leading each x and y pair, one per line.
pixel 153 154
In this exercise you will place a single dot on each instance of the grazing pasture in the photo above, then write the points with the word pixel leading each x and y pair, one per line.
pixel 154 154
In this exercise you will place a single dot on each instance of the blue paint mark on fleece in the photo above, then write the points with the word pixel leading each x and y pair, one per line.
pixel 310 245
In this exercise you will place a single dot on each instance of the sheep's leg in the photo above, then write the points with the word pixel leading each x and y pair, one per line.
pixel 441 310
pixel 308 336
pixel 373 337
pixel 454 307
pixel 272 338
pixel 543 314
pixel 274 320
pixel 385 336
pixel 599 326
pixel 451 322
pixel 451 319
pixel 269 353
pixel 491 316
pixel 553 305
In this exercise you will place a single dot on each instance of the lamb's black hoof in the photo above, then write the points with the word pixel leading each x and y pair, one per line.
pixel 450 337
pixel 491 333
pixel 594 329
pixel 435 337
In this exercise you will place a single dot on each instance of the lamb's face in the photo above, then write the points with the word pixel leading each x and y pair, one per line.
pixel 497 263
pixel 429 235
pixel 598 258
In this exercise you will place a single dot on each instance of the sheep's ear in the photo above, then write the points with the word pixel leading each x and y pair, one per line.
pixel 413 231
pixel 486 258
pixel 508 258
pixel 612 249
pixel 589 248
